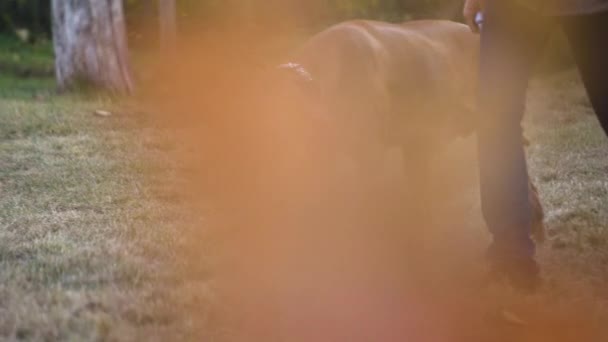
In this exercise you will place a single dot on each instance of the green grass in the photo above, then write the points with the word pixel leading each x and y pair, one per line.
pixel 85 220
pixel 23 59
pixel 89 215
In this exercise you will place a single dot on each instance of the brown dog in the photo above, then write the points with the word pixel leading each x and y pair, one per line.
pixel 410 85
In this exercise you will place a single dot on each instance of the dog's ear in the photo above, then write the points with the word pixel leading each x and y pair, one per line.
pixel 298 74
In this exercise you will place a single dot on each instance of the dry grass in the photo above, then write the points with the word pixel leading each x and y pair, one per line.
pixel 569 161
pixel 87 220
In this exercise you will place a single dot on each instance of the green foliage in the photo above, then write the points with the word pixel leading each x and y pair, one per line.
pixel 34 16
pixel 31 15
pixel 21 59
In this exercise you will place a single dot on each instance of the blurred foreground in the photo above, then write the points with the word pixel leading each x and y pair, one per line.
pixel 310 249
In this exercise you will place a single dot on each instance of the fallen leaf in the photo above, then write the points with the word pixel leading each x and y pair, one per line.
pixel 103 113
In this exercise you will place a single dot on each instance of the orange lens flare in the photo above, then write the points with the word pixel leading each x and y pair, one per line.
pixel 309 247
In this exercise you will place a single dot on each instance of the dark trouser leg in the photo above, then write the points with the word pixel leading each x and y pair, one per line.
pixel 587 35
pixel 510 43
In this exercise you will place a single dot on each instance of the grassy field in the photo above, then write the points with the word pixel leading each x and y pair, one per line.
pixel 569 160
pixel 17 58
pixel 93 229
pixel 86 219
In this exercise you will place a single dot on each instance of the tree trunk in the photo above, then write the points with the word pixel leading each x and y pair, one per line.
pixel 91 44
pixel 168 24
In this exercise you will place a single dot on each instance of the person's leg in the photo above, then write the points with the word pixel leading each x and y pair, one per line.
pixel 511 41
pixel 587 35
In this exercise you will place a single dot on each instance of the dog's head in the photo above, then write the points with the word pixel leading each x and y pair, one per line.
pixel 299 91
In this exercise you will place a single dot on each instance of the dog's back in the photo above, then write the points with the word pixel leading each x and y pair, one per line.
pixel 396 78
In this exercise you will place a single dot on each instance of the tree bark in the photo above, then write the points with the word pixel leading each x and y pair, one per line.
pixel 90 43
pixel 167 14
